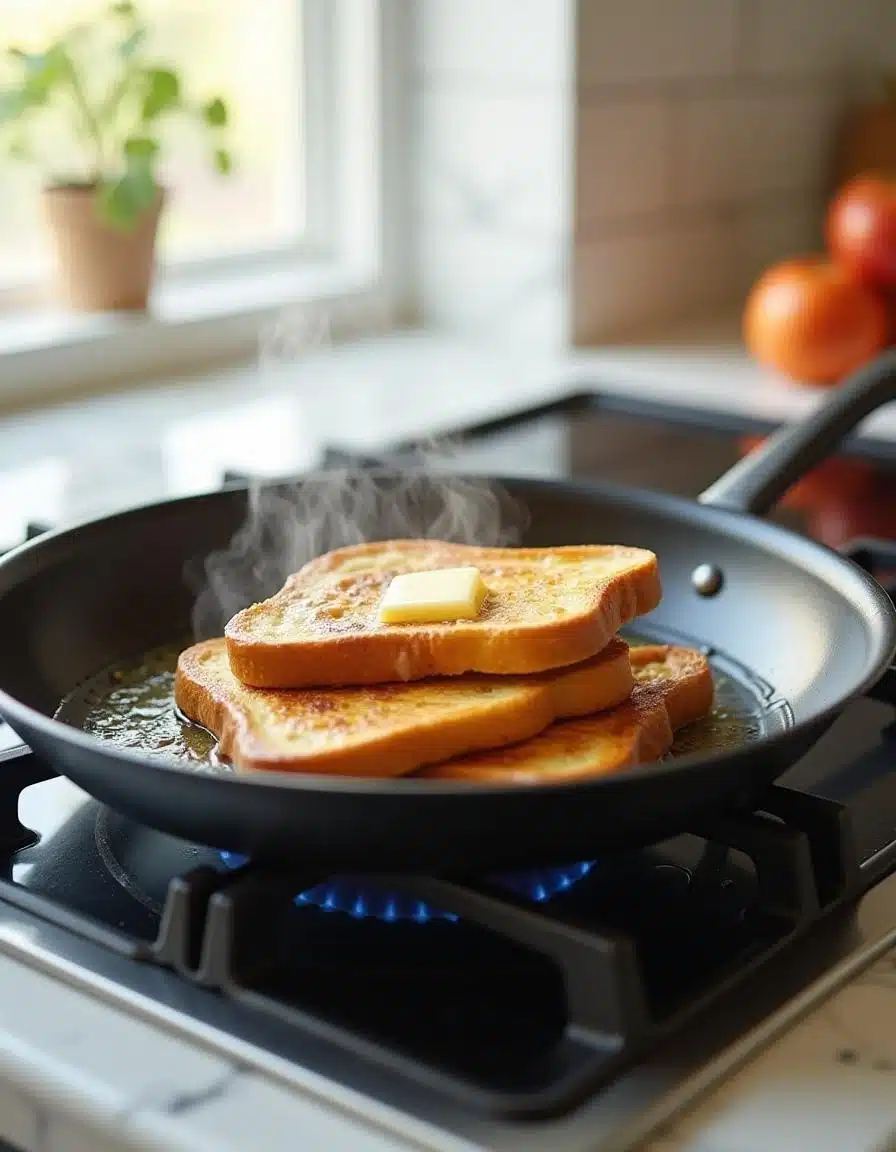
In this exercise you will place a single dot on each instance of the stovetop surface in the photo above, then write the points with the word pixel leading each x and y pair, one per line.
pixel 454 999
pixel 465 1000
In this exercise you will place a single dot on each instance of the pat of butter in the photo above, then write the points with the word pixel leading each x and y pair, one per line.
pixel 433 597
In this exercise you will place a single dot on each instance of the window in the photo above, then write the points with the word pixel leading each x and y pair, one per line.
pixel 314 215
pixel 251 51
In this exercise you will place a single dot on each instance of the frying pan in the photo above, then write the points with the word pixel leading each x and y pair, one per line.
pixel 803 628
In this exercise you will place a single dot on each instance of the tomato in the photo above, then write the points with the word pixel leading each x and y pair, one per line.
pixel 841 499
pixel 810 320
pixel 889 299
pixel 861 230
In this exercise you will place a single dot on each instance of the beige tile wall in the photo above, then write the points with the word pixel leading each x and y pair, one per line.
pixel 587 167
pixel 718 120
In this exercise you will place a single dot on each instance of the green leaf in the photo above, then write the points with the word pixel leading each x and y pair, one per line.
pixel 115 204
pixel 125 9
pixel 37 62
pixel 162 93
pixel 215 113
pixel 223 161
pixel 44 72
pixel 122 202
pixel 141 148
pixel 129 47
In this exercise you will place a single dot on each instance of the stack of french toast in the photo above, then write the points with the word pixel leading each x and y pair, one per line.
pixel 448 662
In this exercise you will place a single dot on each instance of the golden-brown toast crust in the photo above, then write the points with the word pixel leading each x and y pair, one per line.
pixel 390 729
pixel 674 688
pixel 548 608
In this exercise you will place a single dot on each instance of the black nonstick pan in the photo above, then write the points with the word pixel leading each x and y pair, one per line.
pixel 797 627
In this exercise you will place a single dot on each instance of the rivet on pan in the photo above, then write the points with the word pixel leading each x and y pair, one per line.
pixel 707 579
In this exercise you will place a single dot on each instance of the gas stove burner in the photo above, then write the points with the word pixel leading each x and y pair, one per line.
pixel 544 883
pixel 359 898
pixel 363 899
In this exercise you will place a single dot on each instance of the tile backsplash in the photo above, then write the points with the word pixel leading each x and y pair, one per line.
pixel 493 164
pixel 654 41
pixel 583 168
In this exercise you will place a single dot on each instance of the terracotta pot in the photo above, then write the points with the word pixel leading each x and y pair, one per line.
pixel 99 268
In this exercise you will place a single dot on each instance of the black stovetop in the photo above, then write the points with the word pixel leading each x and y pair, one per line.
pixel 517 995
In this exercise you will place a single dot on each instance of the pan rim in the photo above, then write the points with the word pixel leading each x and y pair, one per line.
pixel 839 572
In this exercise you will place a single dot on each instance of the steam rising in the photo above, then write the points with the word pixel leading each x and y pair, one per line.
pixel 288 525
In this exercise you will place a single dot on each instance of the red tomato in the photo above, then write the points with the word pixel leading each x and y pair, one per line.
pixel 861 229
pixel 810 320
pixel 841 499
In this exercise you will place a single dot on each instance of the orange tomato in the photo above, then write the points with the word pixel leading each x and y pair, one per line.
pixel 810 320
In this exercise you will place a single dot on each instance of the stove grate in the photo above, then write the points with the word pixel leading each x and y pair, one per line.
pixel 222 928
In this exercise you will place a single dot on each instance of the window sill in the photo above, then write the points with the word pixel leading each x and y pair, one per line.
pixel 194 323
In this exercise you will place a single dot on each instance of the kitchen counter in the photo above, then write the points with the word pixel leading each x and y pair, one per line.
pixel 80 1072
pixel 828 1084
pixel 84 458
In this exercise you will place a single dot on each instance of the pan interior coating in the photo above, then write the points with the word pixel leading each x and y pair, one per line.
pixel 132 705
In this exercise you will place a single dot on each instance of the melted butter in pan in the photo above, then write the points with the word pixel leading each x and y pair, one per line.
pixel 736 719
pixel 132 705
pixel 739 715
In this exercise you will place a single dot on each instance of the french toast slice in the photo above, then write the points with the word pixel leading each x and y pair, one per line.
pixel 546 608
pixel 388 729
pixel 673 688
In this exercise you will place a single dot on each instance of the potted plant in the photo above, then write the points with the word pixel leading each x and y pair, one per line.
pixel 103 220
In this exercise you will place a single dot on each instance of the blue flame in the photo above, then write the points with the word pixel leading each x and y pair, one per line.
pixel 363 899
pixel 542 884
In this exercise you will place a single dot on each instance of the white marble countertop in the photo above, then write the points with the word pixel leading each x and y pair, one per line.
pixel 827 1085
pixel 78 1074
pixel 87 457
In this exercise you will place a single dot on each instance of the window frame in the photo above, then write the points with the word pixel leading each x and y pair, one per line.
pixel 212 309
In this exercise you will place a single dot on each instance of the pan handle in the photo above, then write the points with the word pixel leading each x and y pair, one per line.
pixel 759 480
